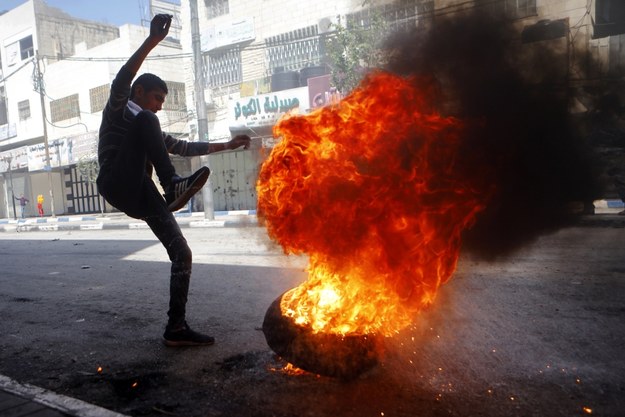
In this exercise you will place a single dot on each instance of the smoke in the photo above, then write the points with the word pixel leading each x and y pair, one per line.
pixel 513 101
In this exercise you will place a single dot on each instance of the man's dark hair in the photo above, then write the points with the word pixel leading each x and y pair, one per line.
pixel 149 82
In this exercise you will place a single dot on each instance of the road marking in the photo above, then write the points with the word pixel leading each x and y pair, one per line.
pixel 71 406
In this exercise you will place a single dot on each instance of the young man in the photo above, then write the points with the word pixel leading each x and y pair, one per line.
pixel 131 143
pixel 23 201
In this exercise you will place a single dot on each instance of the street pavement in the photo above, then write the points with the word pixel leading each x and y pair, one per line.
pixel 19 399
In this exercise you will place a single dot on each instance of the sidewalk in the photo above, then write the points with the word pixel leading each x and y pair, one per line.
pixel 235 218
pixel 605 211
pixel 21 400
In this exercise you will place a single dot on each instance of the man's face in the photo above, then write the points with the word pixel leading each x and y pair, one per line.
pixel 149 100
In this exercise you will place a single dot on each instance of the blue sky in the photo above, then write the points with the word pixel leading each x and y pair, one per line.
pixel 116 12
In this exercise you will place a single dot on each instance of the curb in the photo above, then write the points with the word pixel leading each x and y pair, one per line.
pixel 236 218
pixel 67 405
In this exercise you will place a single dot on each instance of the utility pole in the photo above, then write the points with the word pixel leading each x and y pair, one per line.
pixel 200 106
pixel 10 159
pixel 40 88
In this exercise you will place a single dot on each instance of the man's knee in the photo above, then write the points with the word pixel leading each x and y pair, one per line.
pixel 179 251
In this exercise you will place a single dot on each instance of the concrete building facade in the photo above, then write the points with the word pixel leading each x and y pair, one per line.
pixel 66 72
pixel 256 51
pixel 260 58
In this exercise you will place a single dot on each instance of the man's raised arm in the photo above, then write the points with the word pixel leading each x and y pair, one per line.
pixel 159 28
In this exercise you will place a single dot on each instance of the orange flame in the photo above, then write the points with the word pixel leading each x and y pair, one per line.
pixel 369 189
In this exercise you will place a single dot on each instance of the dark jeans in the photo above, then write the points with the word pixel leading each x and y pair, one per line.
pixel 125 183
pixel 167 230
pixel 124 180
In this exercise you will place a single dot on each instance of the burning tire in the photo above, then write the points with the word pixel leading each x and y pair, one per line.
pixel 339 356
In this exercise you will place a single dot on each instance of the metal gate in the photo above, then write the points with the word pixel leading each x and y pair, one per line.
pixel 81 194
pixel 234 179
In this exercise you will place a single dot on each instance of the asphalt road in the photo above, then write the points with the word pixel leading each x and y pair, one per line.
pixel 539 334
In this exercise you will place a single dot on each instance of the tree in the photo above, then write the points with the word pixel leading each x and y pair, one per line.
pixel 355 48
pixel 88 168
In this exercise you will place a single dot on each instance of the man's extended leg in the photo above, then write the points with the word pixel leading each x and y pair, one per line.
pixel 167 230
pixel 178 190
pixel 122 183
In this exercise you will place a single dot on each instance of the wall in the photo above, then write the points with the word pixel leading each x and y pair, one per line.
pixel 15 25
pixel 234 179
pixel 271 17
pixel 68 77
pixel 89 68
pixel 39 184
pixel 59 32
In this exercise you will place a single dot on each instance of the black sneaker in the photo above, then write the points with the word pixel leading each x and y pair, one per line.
pixel 180 191
pixel 186 337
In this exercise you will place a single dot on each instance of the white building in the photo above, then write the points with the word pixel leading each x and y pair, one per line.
pixel 253 47
pixel 273 51
pixel 260 57
pixel 76 87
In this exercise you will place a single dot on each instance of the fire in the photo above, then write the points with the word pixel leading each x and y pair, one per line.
pixel 371 191
pixel 291 369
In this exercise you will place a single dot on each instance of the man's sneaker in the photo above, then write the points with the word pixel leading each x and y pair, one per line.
pixel 186 337
pixel 180 191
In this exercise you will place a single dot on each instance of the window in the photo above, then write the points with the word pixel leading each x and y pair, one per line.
pixel 516 9
pixel 609 18
pixel 98 97
pixel 176 97
pixel 26 48
pixel 400 15
pixel 224 67
pixel 23 109
pixel 64 108
pixel 216 8
pixel 520 8
pixel 293 50
pixel 19 51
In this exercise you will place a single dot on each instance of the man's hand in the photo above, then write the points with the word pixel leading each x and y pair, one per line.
pixel 238 141
pixel 159 27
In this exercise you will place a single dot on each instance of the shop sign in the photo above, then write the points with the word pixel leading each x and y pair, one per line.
pixel 18 158
pixel 8 131
pixel 266 109
pixel 226 34
pixel 61 154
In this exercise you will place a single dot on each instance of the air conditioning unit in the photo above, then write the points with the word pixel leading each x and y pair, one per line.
pixel 326 24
